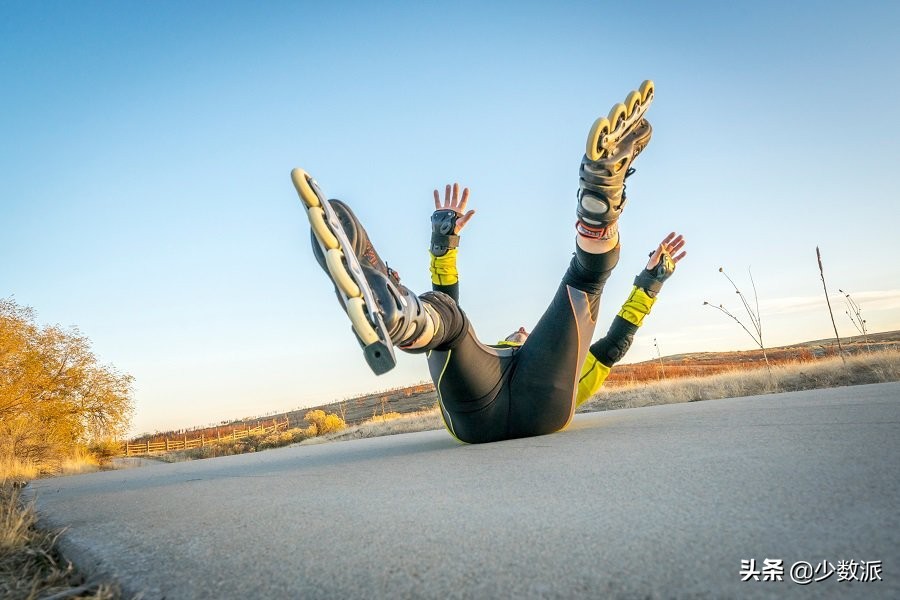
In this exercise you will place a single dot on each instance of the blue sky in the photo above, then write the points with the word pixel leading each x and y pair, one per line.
pixel 146 195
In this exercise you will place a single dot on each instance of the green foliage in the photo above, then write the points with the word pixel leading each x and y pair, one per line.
pixel 54 395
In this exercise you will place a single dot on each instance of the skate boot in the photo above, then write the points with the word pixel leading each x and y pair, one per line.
pixel 382 312
pixel 613 143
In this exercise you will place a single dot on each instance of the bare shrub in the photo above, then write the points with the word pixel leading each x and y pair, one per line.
pixel 854 312
pixel 753 314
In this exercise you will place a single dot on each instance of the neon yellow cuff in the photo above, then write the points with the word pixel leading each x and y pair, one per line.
pixel 593 374
pixel 508 344
pixel 443 268
pixel 637 306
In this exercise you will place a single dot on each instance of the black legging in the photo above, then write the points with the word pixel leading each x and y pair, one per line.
pixel 491 393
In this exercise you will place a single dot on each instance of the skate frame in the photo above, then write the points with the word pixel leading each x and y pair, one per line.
pixel 610 142
pixel 606 132
pixel 379 353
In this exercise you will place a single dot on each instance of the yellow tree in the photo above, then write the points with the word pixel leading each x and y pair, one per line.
pixel 54 394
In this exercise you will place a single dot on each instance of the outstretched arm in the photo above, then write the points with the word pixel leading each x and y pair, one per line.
pixel 447 222
pixel 609 350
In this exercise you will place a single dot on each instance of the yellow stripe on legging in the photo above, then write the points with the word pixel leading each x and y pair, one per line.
pixel 445 414
pixel 593 374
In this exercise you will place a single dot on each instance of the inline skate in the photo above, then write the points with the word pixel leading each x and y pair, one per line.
pixel 613 143
pixel 382 312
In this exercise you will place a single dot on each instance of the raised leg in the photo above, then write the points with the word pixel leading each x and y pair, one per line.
pixel 383 313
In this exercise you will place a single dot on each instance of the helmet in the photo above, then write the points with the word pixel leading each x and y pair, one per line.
pixel 516 338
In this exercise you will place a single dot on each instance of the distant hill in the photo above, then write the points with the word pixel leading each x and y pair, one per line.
pixel 421 396
pixel 708 363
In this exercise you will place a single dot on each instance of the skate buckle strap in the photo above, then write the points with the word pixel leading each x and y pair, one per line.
pixel 443 224
pixel 604 232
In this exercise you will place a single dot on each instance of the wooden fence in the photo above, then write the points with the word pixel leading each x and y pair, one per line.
pixel 183 443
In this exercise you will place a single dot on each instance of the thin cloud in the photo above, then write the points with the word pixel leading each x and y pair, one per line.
pixel 868 301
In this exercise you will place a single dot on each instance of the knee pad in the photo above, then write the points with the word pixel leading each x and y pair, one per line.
pixel 454 322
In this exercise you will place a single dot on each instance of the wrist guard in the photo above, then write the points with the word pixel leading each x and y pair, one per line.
pixel 443 225
pixel 651 280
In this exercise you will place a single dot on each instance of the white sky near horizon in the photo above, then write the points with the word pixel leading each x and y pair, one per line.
pixel 147 147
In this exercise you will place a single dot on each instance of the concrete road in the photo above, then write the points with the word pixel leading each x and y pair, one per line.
pixel 657 502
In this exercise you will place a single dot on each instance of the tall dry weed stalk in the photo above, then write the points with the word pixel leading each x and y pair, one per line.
pixel 659 357
pixel 853 311
pixel 828 301
pixel 753 313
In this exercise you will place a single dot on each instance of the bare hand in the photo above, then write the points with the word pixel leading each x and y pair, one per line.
pixel 455 203
pixel 670 246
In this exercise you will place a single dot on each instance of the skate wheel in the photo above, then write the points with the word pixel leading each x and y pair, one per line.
pixel 356 310
pixel 317 221
pixel 617 114
pixel 600 128
pixel 647 89
pixel 632 102
pixel 334 259
pixel 301 181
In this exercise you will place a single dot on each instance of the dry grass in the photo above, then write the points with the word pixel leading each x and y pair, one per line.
pixel 30 566
pixel 16 470
pixel 383 418
pixel 82 461
pixel 389 424
pixel 830 372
